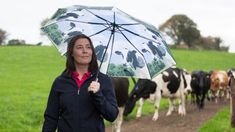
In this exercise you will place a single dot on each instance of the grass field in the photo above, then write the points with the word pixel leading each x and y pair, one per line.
pixel 27 72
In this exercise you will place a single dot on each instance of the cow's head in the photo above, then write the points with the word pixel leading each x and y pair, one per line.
pixel 187 80
pixel 142 89
pixel 231 74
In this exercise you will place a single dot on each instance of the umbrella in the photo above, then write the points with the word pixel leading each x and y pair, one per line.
pixel 124 45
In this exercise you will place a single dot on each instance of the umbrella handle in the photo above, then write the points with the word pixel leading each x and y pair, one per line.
pixel 96 80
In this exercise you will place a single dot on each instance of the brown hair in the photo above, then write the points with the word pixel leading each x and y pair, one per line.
pixel 93 66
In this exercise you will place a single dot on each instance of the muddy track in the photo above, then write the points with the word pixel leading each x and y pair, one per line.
pixel 174 123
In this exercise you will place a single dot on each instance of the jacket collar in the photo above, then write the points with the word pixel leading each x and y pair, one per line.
pixel 68 74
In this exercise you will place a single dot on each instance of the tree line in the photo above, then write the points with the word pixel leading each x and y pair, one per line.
pixel 180 29
pixel 183 33
pixel 3 37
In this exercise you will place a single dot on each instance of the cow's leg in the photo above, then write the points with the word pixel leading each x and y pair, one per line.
pixel 152 98
pixel 171 106
pixel 213 92
pixel 139 110
pixel 228 93
pixel 182 110
pixel 208 95
pixel 225 94
pixel 193 100
pixel 198 100
pixel 118 122
pixel 216 96
pixel 202 100
pixel 157 104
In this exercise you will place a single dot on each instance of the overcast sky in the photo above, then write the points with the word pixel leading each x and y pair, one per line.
pixel 21 18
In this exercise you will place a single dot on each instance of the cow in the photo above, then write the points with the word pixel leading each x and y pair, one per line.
pixel 172 83
pixel 219 84
pixel 230 73
pixel 121 86
pixel 142 90
pixel 200 84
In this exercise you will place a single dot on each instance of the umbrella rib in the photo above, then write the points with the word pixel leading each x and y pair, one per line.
pixel 100 31
pixel 135 48
pixel 101 62
pixel 112 35
pixel 104 24
pixel 95 23
pixel 137 34
pixel 128 24
pixel 108 22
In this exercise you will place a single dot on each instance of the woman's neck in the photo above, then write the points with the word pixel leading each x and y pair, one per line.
pixel 81 69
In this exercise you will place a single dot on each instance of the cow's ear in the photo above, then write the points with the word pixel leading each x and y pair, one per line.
pixel 210 72
pixel 193 78
pixel 134 96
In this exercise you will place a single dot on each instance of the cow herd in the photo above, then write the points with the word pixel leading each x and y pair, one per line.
pixel 175 84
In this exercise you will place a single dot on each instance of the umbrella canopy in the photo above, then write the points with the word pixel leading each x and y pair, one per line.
pixel 124 45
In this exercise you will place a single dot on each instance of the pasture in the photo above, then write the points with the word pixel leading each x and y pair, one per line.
pixel 27 72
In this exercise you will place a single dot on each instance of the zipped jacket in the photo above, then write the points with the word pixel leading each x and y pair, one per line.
pixel 70 110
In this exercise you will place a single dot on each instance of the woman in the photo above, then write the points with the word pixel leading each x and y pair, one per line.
pixel 78 102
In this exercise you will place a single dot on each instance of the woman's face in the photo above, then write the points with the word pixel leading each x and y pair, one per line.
pixel 82 52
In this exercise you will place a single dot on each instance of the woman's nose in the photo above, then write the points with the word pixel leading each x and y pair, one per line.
pixel 84 49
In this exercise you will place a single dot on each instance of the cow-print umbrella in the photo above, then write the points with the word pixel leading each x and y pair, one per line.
pixel 124 45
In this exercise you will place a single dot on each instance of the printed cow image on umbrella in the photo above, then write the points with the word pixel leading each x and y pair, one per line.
pixel 124 45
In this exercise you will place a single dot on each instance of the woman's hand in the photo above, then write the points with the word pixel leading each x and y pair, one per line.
pixel 94 87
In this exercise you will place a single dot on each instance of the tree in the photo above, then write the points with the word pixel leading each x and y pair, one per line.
pixel 16 42
pixel 210 43
pixel 181 29
pixel 3 36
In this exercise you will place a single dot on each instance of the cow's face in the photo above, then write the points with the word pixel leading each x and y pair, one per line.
pixel 142 89
pixel 231 73
pixel 187 80
pixel 200 80
pixel 215 82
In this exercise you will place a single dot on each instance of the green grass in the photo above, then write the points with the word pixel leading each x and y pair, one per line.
pixel 219 123
pixel 204 60
pixel 27 73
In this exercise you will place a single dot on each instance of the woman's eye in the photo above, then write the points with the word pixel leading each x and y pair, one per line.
pixel 79 47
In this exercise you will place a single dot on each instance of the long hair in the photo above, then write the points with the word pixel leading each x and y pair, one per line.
pixel 70 66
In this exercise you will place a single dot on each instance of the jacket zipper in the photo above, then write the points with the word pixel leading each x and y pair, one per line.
pixel 78 91
pixel 84 82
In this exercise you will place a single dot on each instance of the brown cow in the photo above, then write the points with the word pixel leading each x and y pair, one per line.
pixel 219 84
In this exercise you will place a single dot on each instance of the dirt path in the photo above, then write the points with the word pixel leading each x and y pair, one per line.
pixel 174 123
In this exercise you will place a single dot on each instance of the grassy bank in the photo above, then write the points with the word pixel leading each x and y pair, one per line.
pixel 27 72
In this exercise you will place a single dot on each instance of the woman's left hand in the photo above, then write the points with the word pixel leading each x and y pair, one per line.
pixel 94 87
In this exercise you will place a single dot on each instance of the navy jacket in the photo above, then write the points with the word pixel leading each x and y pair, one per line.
pixel 69 111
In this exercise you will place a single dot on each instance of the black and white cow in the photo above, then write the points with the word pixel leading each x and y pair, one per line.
pixel 142 90
pixel 121 86
pixel 231 73
pixel 200 84
pixel 172 83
